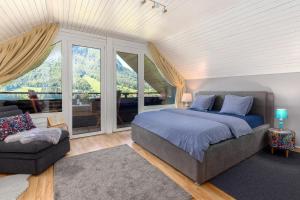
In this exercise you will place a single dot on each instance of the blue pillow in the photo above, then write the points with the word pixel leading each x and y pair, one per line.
pixel 237 105
pixel 204 102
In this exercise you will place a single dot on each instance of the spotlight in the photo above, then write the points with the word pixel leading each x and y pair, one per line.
pixel 156 4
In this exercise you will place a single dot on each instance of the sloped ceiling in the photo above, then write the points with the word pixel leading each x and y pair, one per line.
pixel 202 38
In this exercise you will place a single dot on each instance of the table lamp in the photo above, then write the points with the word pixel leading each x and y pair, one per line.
pixel 281 115
pixel 186 99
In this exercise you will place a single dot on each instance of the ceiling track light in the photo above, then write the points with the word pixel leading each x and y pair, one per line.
pixel 156 4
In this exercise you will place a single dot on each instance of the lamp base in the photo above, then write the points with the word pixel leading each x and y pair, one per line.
pixel 281 124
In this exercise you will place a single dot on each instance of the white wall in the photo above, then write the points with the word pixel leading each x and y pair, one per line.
pixel 286 89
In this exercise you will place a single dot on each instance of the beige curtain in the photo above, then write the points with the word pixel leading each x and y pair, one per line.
pixel 169 72
pixel 22 54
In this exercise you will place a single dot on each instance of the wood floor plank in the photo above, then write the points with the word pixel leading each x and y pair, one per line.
pixel 41 187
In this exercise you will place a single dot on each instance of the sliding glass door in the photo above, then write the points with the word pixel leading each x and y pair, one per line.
pixel 106 83
pixel 126 88
pixel 86 90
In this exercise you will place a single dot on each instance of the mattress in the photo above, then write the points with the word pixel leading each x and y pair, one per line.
pixel 192 131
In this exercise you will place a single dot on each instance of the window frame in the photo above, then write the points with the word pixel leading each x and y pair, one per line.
pixel 69 84
pixel 140 76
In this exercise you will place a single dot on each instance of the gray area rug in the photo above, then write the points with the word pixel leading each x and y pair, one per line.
pixel 262 177
pixel 11 187
pixel 117 173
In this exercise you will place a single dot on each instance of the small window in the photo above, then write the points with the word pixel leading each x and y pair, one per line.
pixel 39 90
pixel 157 91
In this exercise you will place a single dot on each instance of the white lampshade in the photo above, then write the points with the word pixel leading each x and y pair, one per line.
pixel 186 97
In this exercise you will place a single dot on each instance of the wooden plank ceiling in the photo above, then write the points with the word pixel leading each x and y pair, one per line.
pixel 202 38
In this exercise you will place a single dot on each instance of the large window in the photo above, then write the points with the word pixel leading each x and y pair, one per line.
pixel 38 90
pixel 99 97
pixel 157 91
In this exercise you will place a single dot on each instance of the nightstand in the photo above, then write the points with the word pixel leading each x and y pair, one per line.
pixel 282 139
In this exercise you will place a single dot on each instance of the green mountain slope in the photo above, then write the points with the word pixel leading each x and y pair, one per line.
pixel 86 75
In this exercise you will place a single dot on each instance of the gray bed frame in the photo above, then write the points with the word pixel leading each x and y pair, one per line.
pixel 219 157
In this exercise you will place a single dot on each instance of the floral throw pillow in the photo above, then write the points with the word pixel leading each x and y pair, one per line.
pixel 14 124
pixel 29 123
pixel 5 128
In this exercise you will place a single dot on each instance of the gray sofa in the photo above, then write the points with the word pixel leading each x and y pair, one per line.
pixel 32 158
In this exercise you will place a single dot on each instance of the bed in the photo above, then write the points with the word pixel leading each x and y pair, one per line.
pixel 220 156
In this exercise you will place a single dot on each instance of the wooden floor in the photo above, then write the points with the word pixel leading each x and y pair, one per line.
pixel 41 187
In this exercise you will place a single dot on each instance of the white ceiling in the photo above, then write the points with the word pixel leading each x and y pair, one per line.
pixel 202 38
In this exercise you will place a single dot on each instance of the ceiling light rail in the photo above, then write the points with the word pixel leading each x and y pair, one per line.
pixel 156 4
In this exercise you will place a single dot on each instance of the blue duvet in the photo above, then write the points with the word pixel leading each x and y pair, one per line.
pixel 192 131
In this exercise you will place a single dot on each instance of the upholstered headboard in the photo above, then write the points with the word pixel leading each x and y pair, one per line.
pixel 263 102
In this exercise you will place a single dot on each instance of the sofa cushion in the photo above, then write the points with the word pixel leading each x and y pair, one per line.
pixel 9 113
pixel 8 108
pixel 6 111
pixel 15 124
pixel 33 147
